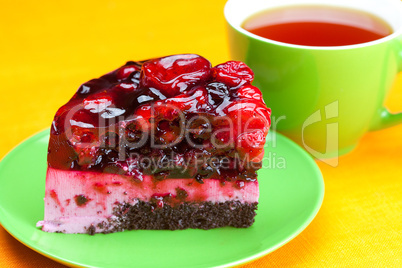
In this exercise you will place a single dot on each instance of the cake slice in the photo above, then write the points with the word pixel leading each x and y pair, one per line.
pixel 167 143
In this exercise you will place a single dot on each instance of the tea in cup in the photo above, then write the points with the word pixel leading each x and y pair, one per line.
pixel 324 67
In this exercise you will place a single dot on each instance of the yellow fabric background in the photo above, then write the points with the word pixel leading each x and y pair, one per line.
pixel 48 48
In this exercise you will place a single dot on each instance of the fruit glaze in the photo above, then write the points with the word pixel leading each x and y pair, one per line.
pixel 169 117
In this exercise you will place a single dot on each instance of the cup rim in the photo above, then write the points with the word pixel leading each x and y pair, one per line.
pixel 397 33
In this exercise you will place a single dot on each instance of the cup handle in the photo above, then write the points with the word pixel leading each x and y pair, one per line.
pixel 384 117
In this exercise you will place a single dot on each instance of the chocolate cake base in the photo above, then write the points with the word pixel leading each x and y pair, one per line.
pixel 203 215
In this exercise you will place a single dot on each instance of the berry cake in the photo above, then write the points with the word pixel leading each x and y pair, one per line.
pixel 166 143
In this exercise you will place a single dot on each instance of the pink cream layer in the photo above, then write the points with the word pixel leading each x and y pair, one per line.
pixel 75 200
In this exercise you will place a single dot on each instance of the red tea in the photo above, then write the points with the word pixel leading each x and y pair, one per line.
pixel 317 26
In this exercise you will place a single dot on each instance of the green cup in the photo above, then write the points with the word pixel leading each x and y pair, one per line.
pixel 324 98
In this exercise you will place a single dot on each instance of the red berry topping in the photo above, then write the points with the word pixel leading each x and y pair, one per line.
pixel 200 127
pixel 91 87
pixel 167 132
pixel 175 74
pixel 125 71
pixel 248 92
pixel 249 115
pixel 81 136
pixel 188 119
pixel 217 92
pixel 194 101
pixel 233 73
pixel 98 102
pixel 126 87
pixel 250 145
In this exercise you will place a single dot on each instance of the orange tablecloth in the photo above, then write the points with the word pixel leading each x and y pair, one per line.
pixel 49 48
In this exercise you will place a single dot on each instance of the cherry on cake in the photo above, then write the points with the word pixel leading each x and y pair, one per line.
pixel 166 143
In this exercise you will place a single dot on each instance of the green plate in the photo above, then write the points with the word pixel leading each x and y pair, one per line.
pixel 291 193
